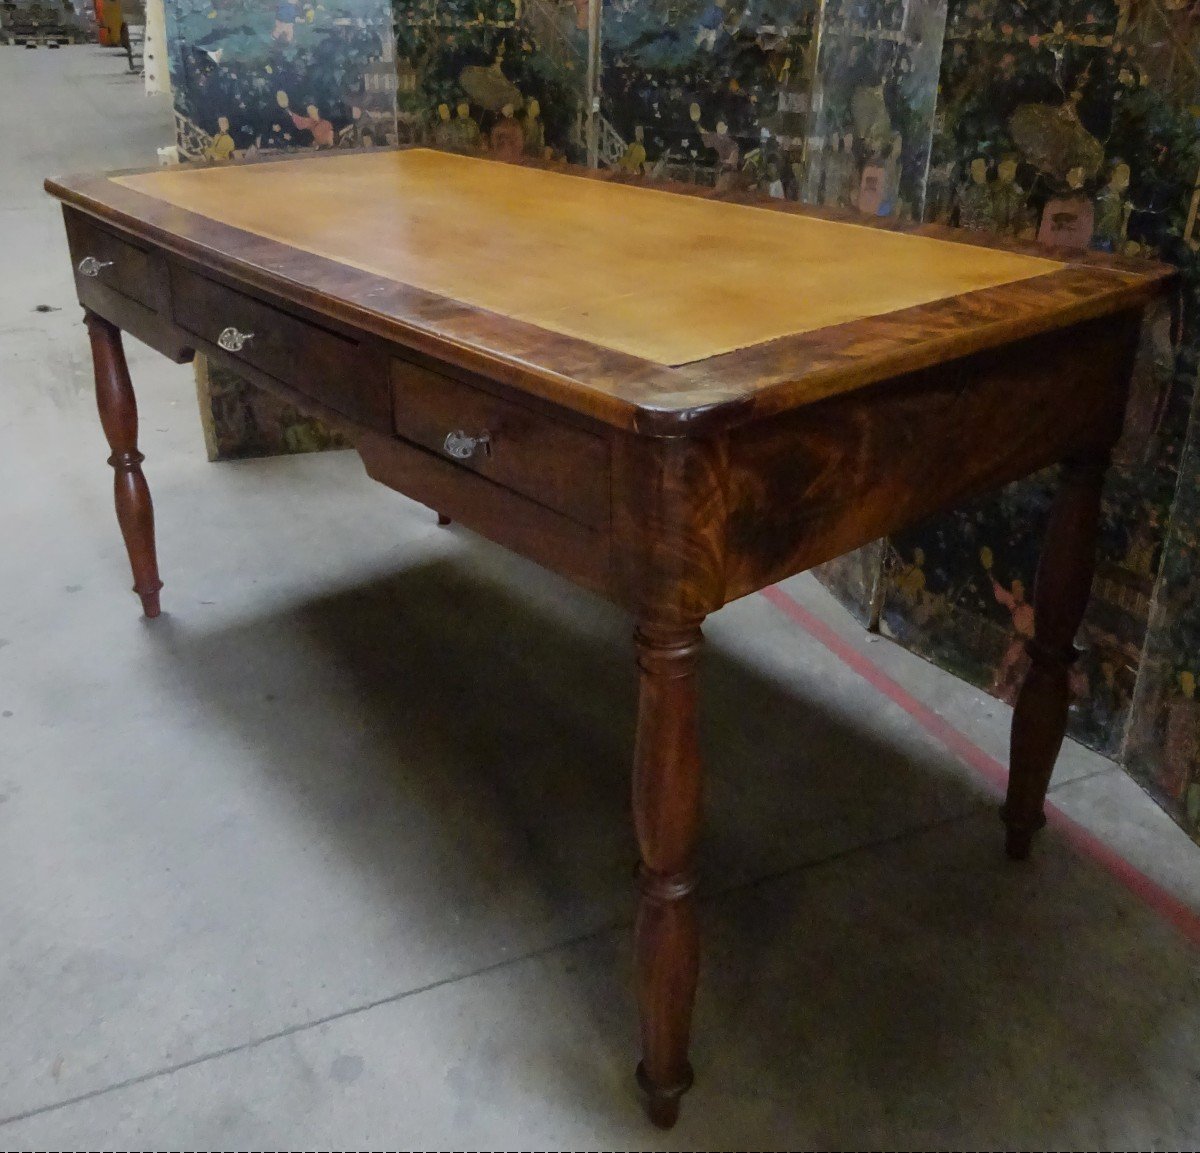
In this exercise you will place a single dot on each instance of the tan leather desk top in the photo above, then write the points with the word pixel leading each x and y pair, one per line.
pixel 669 278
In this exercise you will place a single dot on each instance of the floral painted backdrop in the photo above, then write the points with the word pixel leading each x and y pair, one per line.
pixel 1077 124
pixel 873 104
pixel 507 77
pixel 709 91
pixel 1163 746
pixel 240 420
pixel 250 75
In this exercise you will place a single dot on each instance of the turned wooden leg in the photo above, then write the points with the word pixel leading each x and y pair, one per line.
pixel 666 814
pixel 1064 582
pixel 118 415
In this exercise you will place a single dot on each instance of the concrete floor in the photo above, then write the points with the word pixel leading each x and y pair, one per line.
pixel 338 849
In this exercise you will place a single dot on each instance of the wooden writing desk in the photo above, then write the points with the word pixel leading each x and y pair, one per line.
pixel 671 400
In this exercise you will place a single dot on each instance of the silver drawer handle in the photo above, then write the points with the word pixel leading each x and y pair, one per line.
pixel 232 341
pixel 462 447
pixel 90 266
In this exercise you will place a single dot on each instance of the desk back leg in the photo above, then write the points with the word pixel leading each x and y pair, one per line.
pixel 1064 582
pixel 118 416
pixel 666 816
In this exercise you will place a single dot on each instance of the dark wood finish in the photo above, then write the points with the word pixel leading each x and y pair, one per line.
pixel 548 461
pixel 1061 591
pixel 814 483
pixel 125 268
pixel 540 533
pixel 148 316
pixel 131 493
pixel 337 369
pixel 670 491
pixel 669 527
pixel 666 817
pixel 1064 583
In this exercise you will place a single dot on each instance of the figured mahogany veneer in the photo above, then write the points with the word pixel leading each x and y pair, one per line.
pixel 508 346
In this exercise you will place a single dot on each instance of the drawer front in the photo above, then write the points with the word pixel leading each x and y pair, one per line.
pixel 556 464
pixel 336 370
pixel 104 261
pixel 552 540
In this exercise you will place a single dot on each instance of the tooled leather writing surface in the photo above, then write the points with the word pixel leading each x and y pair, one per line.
pixel 668 278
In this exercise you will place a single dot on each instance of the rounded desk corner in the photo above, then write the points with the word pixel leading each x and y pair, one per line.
pixel 692 416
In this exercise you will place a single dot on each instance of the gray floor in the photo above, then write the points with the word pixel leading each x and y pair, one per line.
pixel 338 849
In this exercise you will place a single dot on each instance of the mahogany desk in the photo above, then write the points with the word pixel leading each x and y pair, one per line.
pixel 671 400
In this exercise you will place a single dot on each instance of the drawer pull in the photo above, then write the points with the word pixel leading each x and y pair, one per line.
pixel 232 341
pixel 90 266
pixel 463 447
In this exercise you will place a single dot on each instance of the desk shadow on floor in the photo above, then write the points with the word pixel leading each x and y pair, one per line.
pixel 466 731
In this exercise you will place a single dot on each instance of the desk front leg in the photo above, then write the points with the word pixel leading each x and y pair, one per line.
pixel 666 816
pixel 1061 591
pixel 669 517
pixel 119 418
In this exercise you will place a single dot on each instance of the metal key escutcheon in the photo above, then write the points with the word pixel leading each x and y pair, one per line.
pixel 462 447
pixel 90 266
pixel 233 341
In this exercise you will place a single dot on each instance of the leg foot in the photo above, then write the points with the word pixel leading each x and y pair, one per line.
pixel 443 519
pixel 1018 839
pixel 662 1103
pixel 666 811
pixel 118 416
pixel 1064 582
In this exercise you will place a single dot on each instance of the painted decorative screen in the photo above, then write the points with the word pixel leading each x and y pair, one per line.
pixel 1077 123
pixel 250 75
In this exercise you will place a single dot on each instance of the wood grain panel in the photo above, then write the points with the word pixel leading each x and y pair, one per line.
pixel 548 461
pixel 811 485
pixel 334 368
pixel 555 541
pixel 128 269
pixel 147 318
pixel 669 510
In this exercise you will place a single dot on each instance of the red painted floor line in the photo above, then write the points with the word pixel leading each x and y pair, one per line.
pixel 1166 904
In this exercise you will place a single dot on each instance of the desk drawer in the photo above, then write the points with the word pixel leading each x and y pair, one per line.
pixel 556 464
pixel 334 369
pixel 527 527
pixel 103 260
